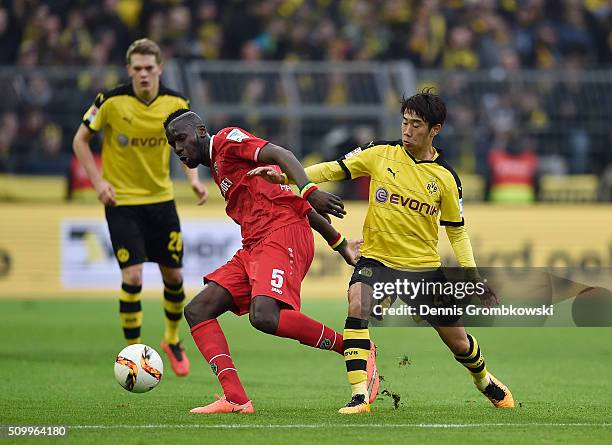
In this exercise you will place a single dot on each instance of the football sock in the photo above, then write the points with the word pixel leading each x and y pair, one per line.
pixel 356 350
pixel 174 300
pixel 293 324
pixel 130 312
pixel 211 342
pixel 474 363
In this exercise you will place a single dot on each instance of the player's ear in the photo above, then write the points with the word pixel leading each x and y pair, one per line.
pixel 435 130
pixel 161 67
pixel 201 130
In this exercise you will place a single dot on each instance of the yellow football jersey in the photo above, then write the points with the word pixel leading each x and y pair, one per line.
pixel 135 152
pixel 406 199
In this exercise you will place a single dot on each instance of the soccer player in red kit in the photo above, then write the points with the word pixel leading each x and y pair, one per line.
pixel 264 277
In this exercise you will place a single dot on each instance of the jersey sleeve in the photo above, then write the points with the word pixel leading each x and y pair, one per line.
pixel 239 143
pixel 451 206
pixel 325 172
pixel 460 242
pixel 358 162
pixel 95 117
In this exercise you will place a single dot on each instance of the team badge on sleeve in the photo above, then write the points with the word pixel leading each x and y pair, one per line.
pixel 236 135
pixel 90 116
pixel 350 154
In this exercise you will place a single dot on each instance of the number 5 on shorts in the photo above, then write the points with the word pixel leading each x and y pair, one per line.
pixel 277 278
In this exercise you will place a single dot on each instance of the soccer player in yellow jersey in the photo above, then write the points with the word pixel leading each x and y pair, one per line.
pixel 412 187
pixel 136 189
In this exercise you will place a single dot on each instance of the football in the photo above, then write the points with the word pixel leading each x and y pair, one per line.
pixel 138 368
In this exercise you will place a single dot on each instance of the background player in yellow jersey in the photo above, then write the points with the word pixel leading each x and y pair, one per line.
pixel 411 186
pixel 136 189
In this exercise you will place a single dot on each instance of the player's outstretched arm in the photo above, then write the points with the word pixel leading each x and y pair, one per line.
pixel 318 173
pixel 322 202
pixel 349 249
pixel 82 149
pixel 460 242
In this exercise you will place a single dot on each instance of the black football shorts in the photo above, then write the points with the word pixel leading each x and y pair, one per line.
pixel 146 233
pixel 373 273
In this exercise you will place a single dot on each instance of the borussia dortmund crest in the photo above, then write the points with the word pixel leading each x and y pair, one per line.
pixel 123 255
pixel 432 186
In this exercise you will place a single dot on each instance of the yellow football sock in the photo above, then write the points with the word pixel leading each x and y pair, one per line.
pixel 130 312
pixel 356 351
pixel 174 301
pixel 474 362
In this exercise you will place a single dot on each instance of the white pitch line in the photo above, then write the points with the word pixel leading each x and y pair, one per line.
pixel 341 425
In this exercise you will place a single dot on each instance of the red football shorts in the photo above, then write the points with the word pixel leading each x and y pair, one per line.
pixel 275 268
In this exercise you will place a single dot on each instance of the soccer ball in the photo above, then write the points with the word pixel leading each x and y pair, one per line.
pixel 138 368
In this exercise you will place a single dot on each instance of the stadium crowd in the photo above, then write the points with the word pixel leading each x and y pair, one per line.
pixel 562 123
pixel 432 33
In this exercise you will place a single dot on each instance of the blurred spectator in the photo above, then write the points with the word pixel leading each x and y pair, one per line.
pixel 9 126
pixel 10 36
pixel 79 186
pixel 513 171
pixel 48 156
pixel 459 52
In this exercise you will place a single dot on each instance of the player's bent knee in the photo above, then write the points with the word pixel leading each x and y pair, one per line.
pixel 191 313
pixel 172 276
pixel 264 322
pixel 199 309
pixel 264 314
pixel 209 304
pixel 132 275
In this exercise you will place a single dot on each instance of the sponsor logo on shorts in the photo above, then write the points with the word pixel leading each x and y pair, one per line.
pixel 366 272
pixel 123 255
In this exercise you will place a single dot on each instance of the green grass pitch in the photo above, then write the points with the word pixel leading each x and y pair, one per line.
pixel 56 367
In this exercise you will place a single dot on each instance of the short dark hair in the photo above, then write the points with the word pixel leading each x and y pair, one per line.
pixel 174 115
pixel 427 105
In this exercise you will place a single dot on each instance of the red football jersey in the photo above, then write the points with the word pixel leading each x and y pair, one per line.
pixel 253 203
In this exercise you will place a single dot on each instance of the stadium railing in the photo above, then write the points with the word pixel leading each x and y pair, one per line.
pixel 322 109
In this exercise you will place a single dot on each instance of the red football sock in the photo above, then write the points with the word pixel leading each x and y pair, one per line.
pixel 295 325
pixel 211 342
